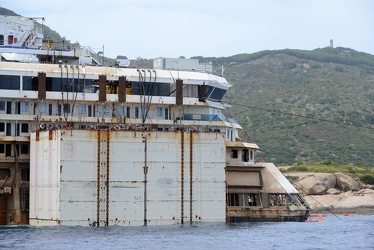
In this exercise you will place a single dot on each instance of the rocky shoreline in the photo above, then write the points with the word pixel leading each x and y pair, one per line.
pixel 334 193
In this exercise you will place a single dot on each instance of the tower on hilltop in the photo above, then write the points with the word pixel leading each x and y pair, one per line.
pixel 331 43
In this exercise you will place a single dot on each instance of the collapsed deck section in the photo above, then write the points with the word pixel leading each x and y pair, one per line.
pixel 107 177
pixel 258 191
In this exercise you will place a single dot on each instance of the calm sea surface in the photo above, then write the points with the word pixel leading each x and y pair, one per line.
pixel 348 232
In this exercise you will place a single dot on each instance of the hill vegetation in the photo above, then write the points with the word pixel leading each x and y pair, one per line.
pixel 364 174
pixel 304 106
pixel 298 106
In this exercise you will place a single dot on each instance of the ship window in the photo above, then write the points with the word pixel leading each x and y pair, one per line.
pixel 24 127
pixel 10 39
pixel 136 112
pixel 128 112
pixel 2 127
pixel 82 109
pixel 43 107
pixel 253 200
pixel 9 82
pixel 167 114
pixel 245 155
pixel 143 111
pixel 8 129
pixel 1 39
pixel 8 150
pixel 2 149
pixel 217 94
pixel 234 153
pixel 121 111
pixel 24 149
pixel 67 108
pixel 30 83
pixel 278 200
pixel 159 112
pixel 233 199
pixel 49 109
pixel 25 107
pixel 25 199
pixel 150 88
pixel 106 110
pixel 25 174
pixel 2 105
pixel 8 107
pixel 89 110
pixel 251 154
pixel 54 84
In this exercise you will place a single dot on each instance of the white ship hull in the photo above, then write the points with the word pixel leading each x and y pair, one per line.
pixel 81 177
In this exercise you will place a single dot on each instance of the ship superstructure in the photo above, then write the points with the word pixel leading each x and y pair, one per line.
pixel 86 144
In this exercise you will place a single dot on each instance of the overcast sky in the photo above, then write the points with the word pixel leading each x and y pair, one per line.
pixel 172 28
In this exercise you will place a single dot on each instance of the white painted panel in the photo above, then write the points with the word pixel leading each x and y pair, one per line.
pixel 78 200
pixel 44 178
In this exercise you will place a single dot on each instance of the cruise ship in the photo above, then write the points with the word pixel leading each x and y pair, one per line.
pixel 84 143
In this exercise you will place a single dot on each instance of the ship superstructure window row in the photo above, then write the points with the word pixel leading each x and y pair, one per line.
pixel 7 150
pixel 81 109
pixel 132 88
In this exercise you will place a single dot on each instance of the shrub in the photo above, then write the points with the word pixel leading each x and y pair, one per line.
pixel 367 179
pixel 339 69
pixel 327 162
pixel 301 169
pixel 352 170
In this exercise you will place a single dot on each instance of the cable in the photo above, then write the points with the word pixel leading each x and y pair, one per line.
pixel 328 209
pixel 296 115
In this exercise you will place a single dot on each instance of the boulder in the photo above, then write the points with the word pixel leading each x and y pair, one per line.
pixel 317 184
pixel 347 183
pixel 333 191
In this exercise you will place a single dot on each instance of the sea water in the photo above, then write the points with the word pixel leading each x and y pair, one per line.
pixel 335 232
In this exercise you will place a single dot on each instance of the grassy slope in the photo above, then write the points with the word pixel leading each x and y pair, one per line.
pixel 284 84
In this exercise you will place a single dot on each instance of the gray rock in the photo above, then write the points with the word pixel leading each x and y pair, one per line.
pixel 333 191
pixel 347 183
pixel 317 184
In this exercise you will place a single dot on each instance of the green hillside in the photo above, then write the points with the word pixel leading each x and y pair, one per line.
pixel 304 106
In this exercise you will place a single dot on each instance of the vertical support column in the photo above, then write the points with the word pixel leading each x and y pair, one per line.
pixel 107 176
pixel 145 178
pixel 191 173
pixel 42 86
pixel 16 188
pixel 98 180
pixel 102 88
pixel 103 158
pixel 182 177
pixel 122 89
pixel 179 92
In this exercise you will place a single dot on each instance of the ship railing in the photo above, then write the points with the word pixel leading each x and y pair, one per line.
pixel 97 57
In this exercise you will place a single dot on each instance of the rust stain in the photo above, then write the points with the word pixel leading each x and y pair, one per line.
pixel 50 134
